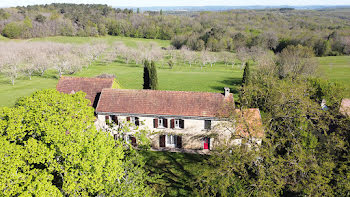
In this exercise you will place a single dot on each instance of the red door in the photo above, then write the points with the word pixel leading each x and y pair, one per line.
pixel 206 143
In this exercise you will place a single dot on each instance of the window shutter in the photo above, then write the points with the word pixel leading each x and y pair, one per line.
pixel 179 142
pixel 162 141
pixel 128 119
pixel 155 123
pixel 172 124
pixel 115 119
pixel 165 123
pixel 182 124
pixel 107 117
pixel 137 121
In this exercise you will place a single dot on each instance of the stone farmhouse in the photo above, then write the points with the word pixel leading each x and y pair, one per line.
pixel 179 120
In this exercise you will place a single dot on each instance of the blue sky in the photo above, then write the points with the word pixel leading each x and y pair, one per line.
pixel 149 3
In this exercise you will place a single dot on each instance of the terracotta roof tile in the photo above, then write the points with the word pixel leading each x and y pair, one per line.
pixel 249 122
pixel 345 107
pixel 91 86
pixel 156 102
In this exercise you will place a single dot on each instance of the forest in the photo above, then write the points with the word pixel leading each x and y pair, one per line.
pixel 292 65
pixel 325 31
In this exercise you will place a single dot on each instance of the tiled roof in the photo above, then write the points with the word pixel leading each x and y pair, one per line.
pixel 156 102
pixel 91 86
pixel 249 122
pixel 345 107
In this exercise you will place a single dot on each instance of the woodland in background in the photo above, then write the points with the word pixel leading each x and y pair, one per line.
pixel 325 31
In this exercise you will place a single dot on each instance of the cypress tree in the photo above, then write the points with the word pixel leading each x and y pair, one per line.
pixel 246 74
pixel 146 75
pixel 153 76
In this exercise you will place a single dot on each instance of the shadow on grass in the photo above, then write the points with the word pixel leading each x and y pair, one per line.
pixel 233 83
pixel 177 171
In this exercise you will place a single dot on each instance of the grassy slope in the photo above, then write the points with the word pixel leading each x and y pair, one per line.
pixel 336 68
pixel 110 39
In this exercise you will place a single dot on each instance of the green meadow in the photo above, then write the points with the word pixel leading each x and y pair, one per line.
pixel 181 77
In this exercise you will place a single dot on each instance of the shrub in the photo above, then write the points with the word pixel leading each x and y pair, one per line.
pixel 12 30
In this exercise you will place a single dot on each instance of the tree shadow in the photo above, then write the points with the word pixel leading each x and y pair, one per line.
pixel 233 83
pixel 175 169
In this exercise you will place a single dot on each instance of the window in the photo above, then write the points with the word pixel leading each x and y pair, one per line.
pixel 172 141
pixel 114 119
pixel 207 124
pixel 177 123
pixel 134 120
pixel 160 122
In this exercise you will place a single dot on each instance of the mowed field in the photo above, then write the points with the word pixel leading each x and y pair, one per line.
pixel 336 68
pixel 181 77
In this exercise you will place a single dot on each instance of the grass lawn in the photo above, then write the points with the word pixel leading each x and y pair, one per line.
pixel 130 76
pixel 336 68
pixel 178 171
pixel 181 77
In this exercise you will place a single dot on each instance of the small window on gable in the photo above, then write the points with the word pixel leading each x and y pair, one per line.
pixel 207 124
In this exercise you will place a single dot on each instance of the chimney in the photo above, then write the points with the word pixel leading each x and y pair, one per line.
pixel 227 91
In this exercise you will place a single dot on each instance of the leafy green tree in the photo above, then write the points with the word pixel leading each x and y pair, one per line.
pixel 322 48
pixel 40 18
pixel 50 147
pixel 12 30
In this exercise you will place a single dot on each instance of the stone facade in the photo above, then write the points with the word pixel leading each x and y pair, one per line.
pixel 193 135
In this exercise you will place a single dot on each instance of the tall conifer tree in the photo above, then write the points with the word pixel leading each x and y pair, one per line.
pixel 146 75
pixel 246 74
pixel 153 76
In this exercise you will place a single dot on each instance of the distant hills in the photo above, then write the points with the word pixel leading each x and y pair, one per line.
pixel 223 8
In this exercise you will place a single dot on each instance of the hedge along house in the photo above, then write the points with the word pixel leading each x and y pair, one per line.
pixel 179 120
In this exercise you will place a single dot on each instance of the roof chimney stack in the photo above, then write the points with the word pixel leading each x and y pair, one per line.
pixel 227 91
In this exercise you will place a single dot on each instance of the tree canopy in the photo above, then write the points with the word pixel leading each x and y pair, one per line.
pixel 50 147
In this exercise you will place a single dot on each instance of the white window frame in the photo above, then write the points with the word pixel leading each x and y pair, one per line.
pixel 160 123
pixel 170 141
pixel 177 123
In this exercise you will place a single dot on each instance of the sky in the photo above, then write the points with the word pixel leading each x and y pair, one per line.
pixel 150 3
